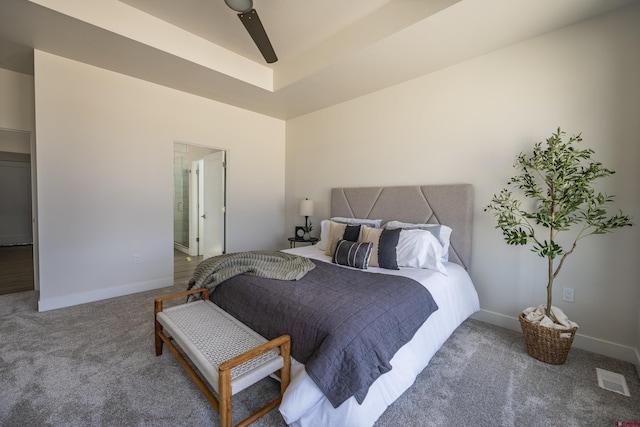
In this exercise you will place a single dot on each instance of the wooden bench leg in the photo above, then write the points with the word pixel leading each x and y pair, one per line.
pixel 224 374
pixel 224 399
pixel 157 326
pixel 285 372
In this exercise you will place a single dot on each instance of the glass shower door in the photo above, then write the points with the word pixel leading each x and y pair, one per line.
pixel 181 195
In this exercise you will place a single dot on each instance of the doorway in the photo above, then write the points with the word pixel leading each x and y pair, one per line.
pixel 16 224
pixel 199 204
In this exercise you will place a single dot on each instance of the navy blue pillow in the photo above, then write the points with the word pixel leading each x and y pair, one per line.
pixel 353 254
pixel 351 233
pixel 387 255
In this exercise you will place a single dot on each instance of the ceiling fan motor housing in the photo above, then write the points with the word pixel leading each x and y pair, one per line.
pixel 240 6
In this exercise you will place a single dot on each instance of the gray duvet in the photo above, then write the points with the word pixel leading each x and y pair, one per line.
pixel 345 325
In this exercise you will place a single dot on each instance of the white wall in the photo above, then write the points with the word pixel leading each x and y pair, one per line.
pixel 104 178
pixel 466 124
pixel 16 101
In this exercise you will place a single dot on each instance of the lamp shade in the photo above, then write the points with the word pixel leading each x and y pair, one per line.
pixel 306 207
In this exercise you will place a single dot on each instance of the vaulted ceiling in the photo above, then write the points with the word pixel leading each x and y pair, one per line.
pixel 329 51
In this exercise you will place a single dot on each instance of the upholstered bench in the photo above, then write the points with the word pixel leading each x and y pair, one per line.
pixel 229 355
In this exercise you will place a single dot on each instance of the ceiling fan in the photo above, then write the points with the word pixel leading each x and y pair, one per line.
pixel 252 23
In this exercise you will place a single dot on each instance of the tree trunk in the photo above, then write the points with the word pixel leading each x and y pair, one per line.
pixel 549 288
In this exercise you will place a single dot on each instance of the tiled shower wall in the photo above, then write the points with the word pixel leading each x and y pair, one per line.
pixel 180 195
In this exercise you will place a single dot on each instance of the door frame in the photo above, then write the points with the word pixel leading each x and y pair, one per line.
pixel 195 224
pixel 214 207
pixel 196 192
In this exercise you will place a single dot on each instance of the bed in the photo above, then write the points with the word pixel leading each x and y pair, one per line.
pixel 304 404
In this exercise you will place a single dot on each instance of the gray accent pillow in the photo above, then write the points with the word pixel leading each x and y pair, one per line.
pixel 351 233
pixel 387 255
pixel 353 254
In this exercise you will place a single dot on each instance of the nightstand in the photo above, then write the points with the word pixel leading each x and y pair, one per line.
pixel 294 240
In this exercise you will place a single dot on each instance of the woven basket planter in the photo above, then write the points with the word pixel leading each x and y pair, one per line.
pixel 547 344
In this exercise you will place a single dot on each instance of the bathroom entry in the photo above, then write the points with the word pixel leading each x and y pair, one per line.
pixel 17 264
pixel 199 175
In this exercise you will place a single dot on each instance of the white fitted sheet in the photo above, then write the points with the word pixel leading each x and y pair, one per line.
pixel 304 405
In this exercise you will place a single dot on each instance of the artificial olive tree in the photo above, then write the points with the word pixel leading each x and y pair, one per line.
pixel 559 179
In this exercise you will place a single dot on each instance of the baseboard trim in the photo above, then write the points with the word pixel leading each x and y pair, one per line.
pixel 584 342
pixel 47 304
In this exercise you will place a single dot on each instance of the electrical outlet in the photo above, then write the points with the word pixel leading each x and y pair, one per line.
pixel 567 294
pixel 136 259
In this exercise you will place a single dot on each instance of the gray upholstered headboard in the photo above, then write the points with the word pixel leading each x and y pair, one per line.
pixel 450 204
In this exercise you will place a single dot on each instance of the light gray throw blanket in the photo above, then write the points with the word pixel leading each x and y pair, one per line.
pixel 267 264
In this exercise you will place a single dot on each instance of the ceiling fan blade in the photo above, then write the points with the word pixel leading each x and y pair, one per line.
pixel 253 25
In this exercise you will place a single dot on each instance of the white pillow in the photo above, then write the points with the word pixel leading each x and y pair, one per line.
pixel 325 226
pixel 373 223
pixel 441 232
pixel 420 249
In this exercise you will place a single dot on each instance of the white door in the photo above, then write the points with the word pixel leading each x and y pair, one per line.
pixel 196 205
pixel 214 204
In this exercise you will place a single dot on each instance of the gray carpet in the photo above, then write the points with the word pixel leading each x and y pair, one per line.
pixel 94 365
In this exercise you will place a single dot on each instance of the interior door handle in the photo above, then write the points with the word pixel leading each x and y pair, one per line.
pixel 204 216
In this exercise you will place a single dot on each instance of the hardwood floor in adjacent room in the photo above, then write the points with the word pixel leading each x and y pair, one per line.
pixel 16 269
pixel 183 266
